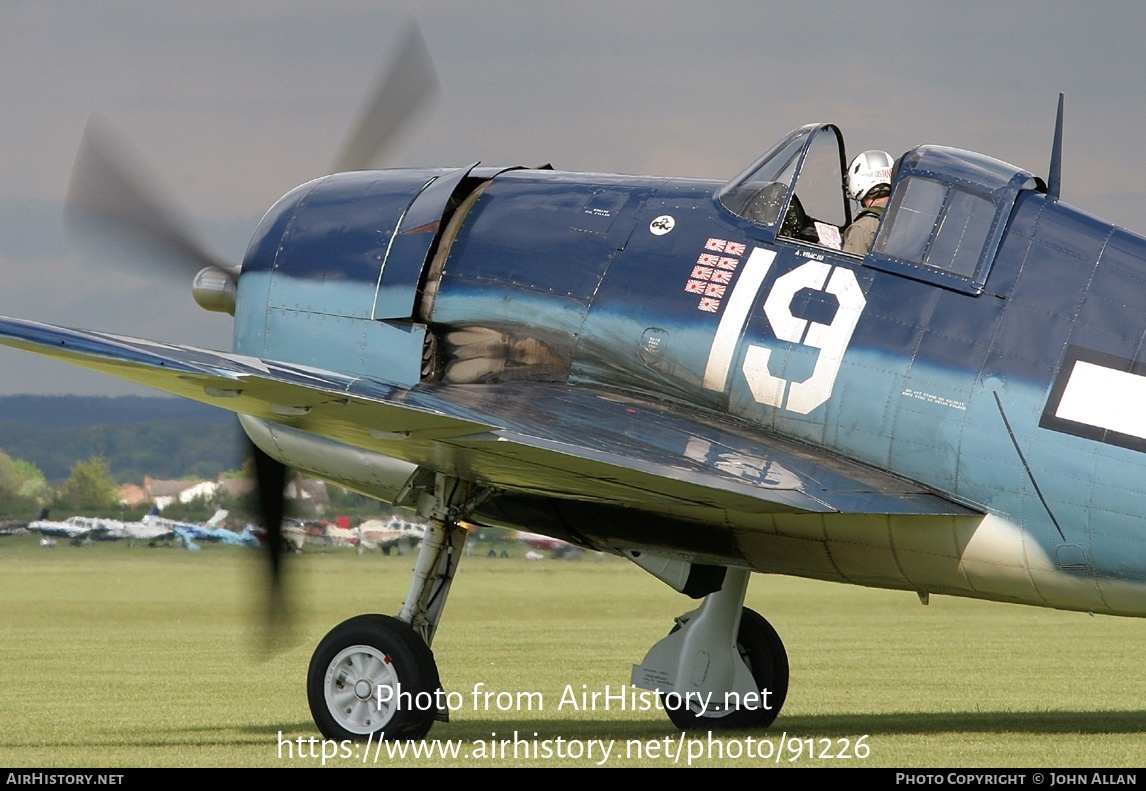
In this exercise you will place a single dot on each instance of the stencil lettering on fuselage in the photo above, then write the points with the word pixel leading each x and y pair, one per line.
pixel 830 340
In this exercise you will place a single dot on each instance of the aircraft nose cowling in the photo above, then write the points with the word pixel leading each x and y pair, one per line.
pixel 330 278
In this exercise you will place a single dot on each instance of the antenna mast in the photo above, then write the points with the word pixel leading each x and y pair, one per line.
pixel 1054 178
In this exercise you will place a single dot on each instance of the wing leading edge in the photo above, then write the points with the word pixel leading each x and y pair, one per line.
pixel 547 439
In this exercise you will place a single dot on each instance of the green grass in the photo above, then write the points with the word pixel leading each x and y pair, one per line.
pixel 149 657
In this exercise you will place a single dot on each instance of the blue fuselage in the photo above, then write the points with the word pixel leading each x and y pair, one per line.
pixel 652 286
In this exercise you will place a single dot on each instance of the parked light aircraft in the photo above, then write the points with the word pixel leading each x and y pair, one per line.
pixel 390 534
pixel 211 530
pixel 151 528
pixel 76 528
pixel 688 373
pixel 558 547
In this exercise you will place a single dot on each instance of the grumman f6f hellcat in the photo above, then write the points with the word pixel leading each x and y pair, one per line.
pixel 690 374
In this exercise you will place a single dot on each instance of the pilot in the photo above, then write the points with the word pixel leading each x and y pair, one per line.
pixel 869 184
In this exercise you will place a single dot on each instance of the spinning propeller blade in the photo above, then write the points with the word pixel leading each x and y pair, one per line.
pixel 110 193
pixel 404 87
pixel 270 476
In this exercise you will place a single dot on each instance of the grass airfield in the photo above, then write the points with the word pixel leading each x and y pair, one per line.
pixel 133 657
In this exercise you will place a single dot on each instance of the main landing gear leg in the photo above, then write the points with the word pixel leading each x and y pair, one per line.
pixel 721 666
pixel 374 674
pixel 438 558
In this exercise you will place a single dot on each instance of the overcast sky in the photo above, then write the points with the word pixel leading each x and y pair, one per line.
pixel 230 104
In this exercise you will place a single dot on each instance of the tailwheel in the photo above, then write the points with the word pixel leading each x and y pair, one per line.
pixel 763 652
pixel 356 675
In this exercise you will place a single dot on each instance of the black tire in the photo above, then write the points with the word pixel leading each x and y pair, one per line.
pixel 763 650
pixel 350 664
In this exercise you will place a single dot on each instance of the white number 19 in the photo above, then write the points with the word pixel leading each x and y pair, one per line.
pixel 830 339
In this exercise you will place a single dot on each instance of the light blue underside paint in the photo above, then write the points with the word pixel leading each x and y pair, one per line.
pixel 919 430
pixel 389 352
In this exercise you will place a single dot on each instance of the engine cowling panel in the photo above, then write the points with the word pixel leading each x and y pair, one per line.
pixel 331 277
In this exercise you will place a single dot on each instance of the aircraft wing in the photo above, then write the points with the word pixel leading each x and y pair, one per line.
pixel 550 439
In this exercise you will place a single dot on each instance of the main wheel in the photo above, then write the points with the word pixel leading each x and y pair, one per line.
pixel 373 674
pixel 761 648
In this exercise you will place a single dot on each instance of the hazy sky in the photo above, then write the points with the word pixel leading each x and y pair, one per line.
pixel 230 104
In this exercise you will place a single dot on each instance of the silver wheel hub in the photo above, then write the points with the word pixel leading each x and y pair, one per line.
pixel 361 687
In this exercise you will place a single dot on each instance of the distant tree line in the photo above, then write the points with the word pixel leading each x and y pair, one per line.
pixel 160 437
pixel 89 490
pixel 70 453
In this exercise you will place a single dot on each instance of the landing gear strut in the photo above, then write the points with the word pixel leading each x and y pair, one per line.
pixel 375 674
pixel 721 666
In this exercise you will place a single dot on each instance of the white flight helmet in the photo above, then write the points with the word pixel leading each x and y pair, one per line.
pixel 867 171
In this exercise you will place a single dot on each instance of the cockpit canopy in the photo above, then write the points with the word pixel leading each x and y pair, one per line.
pixel 811 156
pixel 943 224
